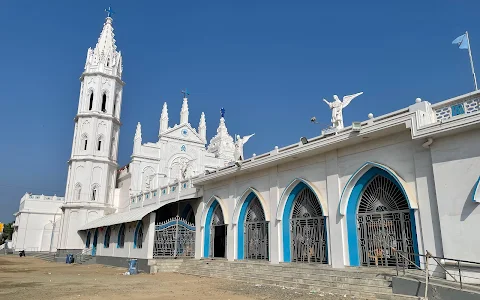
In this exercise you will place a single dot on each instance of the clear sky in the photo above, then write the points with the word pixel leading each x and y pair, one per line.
pixel 269 63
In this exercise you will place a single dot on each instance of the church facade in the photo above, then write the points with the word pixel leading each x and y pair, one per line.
pixel 405 181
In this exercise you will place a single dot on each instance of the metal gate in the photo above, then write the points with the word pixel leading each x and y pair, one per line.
pixel 307 228
pixel 256 232
pixel 174 238
pixel 217 221
pixel 383 223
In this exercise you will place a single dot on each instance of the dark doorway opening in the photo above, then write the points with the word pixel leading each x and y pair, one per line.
pixel 220 240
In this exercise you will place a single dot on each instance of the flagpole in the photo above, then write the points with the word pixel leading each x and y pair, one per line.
pixel 471 62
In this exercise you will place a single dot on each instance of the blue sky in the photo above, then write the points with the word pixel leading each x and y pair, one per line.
pixel 269 63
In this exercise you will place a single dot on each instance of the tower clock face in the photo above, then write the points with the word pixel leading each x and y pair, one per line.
pixel 184 132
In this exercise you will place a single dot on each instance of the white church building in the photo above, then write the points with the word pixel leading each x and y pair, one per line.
pixel 407 181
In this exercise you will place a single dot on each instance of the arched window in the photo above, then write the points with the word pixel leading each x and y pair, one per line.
pixel 104 103
pixel 78 191
pixel 87 242
pixel 114 106
pixel 121 237
pixel 91 102
pixel 138 238
pixel 106 241
pixel 99 143
pixel 108 62
pixel 84 142
pixel 94 192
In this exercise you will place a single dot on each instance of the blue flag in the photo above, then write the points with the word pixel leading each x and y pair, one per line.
pixel 461 41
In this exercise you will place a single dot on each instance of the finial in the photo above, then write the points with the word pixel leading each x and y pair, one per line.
pixel 418 100
pixel 185 93
pixel 370 116
pixel 109 12
pixel 222 112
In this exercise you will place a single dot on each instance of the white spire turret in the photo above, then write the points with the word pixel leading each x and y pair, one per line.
pixel 163 119
pixel 137 140
pixel 202 128
pixel 222 143
pixel 184 112
pixel 105 58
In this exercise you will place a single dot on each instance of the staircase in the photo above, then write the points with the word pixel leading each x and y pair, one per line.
pixel 47 256
pixel 85 259
pixel 367 283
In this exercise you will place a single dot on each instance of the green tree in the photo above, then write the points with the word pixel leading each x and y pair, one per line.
pixel 7 232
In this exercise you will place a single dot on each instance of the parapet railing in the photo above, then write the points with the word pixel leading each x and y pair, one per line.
pixel 463 273
pixel 462 106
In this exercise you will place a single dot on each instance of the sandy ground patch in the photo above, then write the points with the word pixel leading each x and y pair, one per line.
pixel 30 278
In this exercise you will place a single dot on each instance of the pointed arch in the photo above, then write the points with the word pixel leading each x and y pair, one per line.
pixel 240 216
pixel 100 142
pixel 106 240
pixel 104 102
pixel 188 213
pixel 351 199
pixel 286 209
pixel 353 180
pixel 121 237
pixel 250 193
pixel 209 204
pixel 90 105
pixel 288 191
pixel 138 237
pixel 84 144
pixel 207 220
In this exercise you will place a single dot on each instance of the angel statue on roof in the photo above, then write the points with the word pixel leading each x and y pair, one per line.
pixel 238 153
pixel 337 107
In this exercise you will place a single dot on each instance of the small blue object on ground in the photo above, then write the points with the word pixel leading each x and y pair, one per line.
pixel 132 266
pixel 69 259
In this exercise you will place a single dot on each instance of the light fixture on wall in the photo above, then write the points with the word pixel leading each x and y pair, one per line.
pixel 356 126
pixel 238 164
pixel 303 140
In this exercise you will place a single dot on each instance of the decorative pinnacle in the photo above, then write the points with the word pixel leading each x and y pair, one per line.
pixel 185 93
pixel 109 12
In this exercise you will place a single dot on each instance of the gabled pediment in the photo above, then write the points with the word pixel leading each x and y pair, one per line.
pixel 183 132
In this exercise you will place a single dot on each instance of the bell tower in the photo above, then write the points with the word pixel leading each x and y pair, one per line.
pixel 92 166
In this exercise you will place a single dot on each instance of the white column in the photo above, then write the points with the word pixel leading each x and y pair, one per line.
pixel 151 235
pixel 426 217
pixel 230 203
pixel 275 230
pixel 199 231
pixel 335 232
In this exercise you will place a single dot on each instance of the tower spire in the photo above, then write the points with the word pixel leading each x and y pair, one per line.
pixel 104 57
pixel 222 143
pixel 163 119
pixel 184 111
pixel 202 128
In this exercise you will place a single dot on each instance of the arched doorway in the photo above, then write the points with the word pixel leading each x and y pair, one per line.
pixel 380 220
pixel 94 245
pixel 384 223
pixel 215 239
pixel 304 227
pixel 252 230
pixel 218 234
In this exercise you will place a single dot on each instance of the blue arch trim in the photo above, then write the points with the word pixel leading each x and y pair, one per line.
pixel 139 225
pixel 241 224
pixel 95 241
pixel 353 202
pixel 106 240
pixel 122 229
pixel 206 246
pixel 286 220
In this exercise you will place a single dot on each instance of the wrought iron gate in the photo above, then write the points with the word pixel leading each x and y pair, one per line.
pixel 217 222
pixel 256 232
pixel 307 228
pixel 383 223
pixel 174 238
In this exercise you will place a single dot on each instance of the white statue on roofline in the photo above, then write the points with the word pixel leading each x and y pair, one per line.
pixel 238 154
pixel 337 107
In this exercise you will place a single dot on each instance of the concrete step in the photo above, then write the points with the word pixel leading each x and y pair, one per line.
pixel 312 286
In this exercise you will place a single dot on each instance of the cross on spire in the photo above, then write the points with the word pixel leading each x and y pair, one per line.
pixel 185 93
pixel 109 12
pixel 222 112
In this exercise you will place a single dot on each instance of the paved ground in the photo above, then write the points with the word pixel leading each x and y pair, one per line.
pixel 29 278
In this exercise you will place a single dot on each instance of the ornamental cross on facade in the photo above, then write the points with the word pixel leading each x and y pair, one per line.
pixel 109 12
pixel 222 112
pixel 185 93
